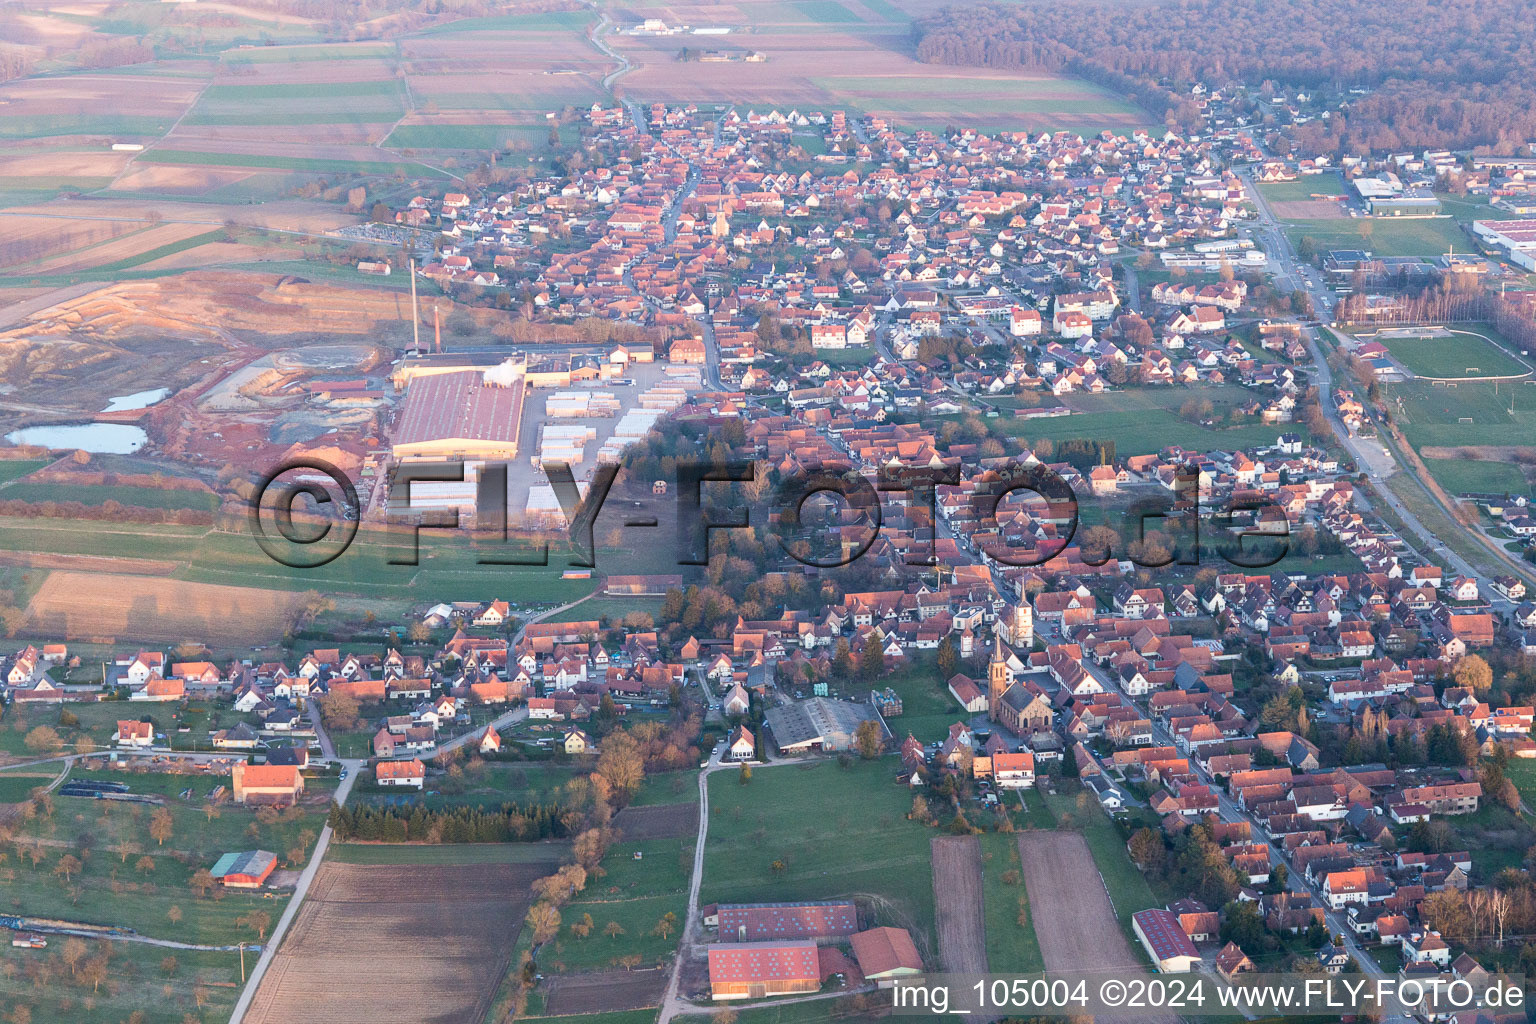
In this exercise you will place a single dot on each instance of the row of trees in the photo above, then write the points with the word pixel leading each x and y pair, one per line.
pixel 509 824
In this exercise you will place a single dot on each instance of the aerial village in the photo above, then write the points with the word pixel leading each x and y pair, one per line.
pixel 1327 722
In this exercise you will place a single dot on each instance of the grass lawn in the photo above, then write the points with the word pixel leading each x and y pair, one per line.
pixel 1461 355
pixel 551 21
pixel 635 895
pixel 286 163
pixel 1325 184
pixel 1433 414
pixel 300 103
pixel 1059 102
pixel 1034 813
pixel 927 707
pixel 203 984
pixel 826 11
pixel 363 571
pixel 100 494
pixel 1522 772
pixel 1011 944
pixel 127 878
pixel 474 136
pixel 490 785
pixel 816 1011
pixel 17 786
pixel 13 469
pixel 39 126
pixel 615 1017
pixel 1426 237
pixel 838 832
pixel 1463 476
pixel 292 54
pixel 667 788
pixel 1144 431
pixel 93 722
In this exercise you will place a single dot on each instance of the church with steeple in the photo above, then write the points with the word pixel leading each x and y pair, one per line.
pixel 999 677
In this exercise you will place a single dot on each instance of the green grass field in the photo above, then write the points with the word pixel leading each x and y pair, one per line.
pixel 115 885
pixel 1463 476
pixel 286 163
pixel 838 832
pixel 1059 102
pixel 1144 432
pixel 100 494
pixel 16 786
pixel 94 722
pixel 1428 237
pixel 1011 944
pixel 1522 772
pixel 1454 356
pixel 476 136
pixel 300 103
pixel 634 894
pixel 364 570
pixel 36 127
pixel 558 93
pixel 296 54
pixel 15 469
pixel 552 21
pixel 927 708
pixel 1433 414
pixel 1325 184
pixel 142 986
pixel 493 783
pixel 827 12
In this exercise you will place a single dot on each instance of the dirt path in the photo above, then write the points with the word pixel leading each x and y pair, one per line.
pixel 1073 918
pixel 959 918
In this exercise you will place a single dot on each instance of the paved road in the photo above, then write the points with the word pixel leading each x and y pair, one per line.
pixel 306 877
pixel 1370 454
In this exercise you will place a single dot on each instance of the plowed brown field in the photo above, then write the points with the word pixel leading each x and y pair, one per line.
pixel 416 943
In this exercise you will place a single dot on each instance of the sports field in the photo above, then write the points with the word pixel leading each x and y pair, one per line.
pixel 1466 413
pixel 1427 237
pixel 1462 354
pixel 1303 189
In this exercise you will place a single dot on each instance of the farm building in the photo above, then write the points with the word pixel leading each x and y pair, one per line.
pixel 1170 948
pixel 467 414
pixel 247 869
pixel 756 970
pixel 820 723
pixel 885 954
pixel 275 784
pixel 755 922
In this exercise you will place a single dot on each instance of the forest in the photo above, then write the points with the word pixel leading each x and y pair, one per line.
pixel 1427 74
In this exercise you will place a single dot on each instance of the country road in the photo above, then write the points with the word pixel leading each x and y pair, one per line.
pixel 306 877
pixel 1372 456
pixel 353 767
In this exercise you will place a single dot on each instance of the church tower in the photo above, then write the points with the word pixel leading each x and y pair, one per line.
pixel 1023 627
pixel 999 677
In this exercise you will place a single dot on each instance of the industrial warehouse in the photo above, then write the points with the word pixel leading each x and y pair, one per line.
pixel 466 414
